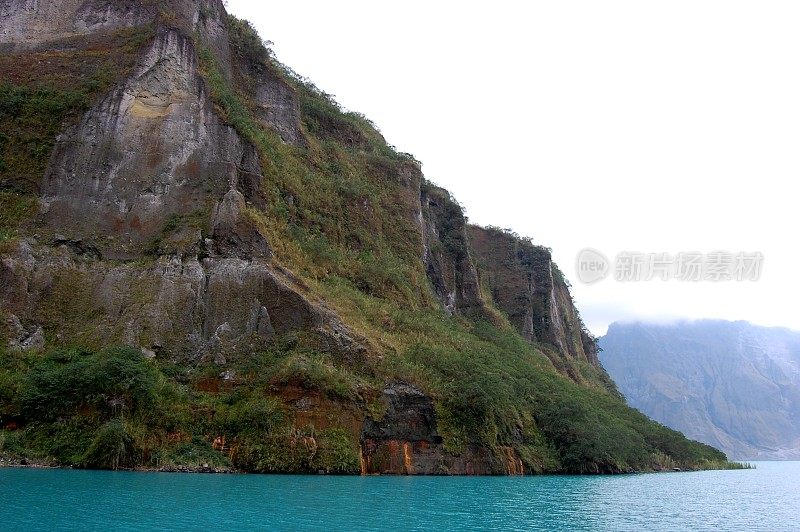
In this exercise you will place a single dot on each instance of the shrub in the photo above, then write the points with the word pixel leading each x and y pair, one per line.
pixel 30 119
pixel 316 372
pixel 194 453
pixel 338 452
pixel 114 381
pixel 254 415
pixel 113 447
pixel 9 443
pixel 299 450
pixel 65 440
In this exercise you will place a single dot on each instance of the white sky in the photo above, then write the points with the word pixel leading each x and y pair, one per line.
pixel 617 125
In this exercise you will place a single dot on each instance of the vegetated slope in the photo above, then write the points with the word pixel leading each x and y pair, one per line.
pixel 205 260
pixel 730 384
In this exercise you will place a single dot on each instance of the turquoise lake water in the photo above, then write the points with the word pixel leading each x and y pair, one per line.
pixel 766 498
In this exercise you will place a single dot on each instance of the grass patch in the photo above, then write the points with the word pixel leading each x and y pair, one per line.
pixel 15 209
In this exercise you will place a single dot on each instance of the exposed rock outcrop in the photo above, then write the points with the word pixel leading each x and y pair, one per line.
pixel 187 307
pixel 29 23
pixel 447 254
pixel 405 441
pixel 276 103
pixel 232 233
pixel 529 288
pixel 33 22
pixel 151 149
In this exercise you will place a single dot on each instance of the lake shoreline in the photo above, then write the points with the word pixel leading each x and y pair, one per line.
pixel 8 462
pixel 25 463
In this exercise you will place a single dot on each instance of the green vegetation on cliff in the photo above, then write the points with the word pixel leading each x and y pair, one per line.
pixel 341 212
pixel 116 409
pixel 334 206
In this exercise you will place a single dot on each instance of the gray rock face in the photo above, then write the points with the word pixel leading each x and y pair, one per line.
pixel 447 255
pixel 409 416
pixel 233 234
pixel 151 149
pixel 29 23
pixel 23 339
pixel 732 385
pixel 186 307
pixel 33 23
pixel 278 104
pixel 527 286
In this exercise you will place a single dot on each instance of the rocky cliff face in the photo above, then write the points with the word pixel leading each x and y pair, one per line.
pixel 151 149
pixel 198 202
pixel 150 153
pixel 405 441
pixel 525 284
pixel 179 307
pixel 34 24
pixel 447 255
pixel 729 384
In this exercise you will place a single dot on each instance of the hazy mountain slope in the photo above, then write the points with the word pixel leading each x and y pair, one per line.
pixel 206 260
pixel 732 385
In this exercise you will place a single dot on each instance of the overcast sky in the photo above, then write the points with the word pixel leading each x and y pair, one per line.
pixel 621 126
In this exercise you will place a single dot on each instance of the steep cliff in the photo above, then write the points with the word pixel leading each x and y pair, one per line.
pixel 447 256
pixel 525 284
pixel 730 384
pixel 206 260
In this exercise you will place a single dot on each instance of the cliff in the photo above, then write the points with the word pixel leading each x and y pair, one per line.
pixel 729 384
pixel 528 287
pixel 206 260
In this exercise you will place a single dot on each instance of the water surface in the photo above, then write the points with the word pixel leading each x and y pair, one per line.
pixel 766 498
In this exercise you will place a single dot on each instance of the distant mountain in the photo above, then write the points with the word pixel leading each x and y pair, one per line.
pixel 733 385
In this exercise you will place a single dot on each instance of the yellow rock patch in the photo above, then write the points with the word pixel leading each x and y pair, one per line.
pixel 150 107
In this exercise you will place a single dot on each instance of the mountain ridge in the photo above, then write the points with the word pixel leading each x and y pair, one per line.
pixel 206 260
pixel 730 384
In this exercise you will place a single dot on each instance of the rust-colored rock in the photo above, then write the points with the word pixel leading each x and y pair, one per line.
pixel 405 441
